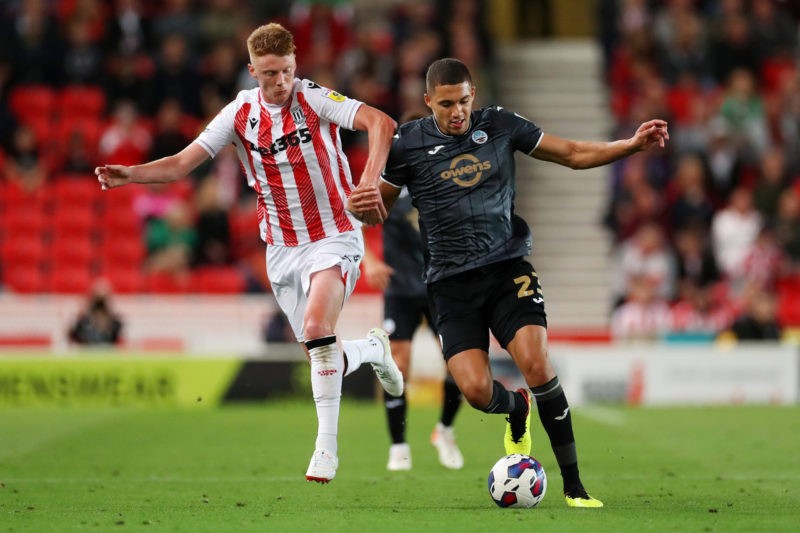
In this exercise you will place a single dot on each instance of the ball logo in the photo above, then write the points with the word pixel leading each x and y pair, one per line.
pixel 479 137
pixel 465 170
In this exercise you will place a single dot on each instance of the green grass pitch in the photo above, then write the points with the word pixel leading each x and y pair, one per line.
pixel 240 468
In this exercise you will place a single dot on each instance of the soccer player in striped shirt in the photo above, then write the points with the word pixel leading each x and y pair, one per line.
pixel 286 134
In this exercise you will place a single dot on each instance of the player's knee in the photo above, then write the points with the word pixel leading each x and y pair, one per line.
pixel 316 329
pixel 477 393
pixel 535 368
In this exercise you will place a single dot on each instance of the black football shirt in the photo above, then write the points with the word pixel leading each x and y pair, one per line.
pixel 402 249
pixel 463 187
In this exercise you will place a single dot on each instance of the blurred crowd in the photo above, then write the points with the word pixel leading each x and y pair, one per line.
pixel 706 233
pixel 87 82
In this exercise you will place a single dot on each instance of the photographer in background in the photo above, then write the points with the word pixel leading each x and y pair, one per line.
pixel 97 323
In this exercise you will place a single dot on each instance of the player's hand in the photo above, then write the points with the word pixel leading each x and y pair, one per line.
pixel 111 176
pixel 366 204
pixel 651 133
pixel 377 273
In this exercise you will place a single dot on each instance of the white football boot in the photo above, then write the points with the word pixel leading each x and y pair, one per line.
pixel 322 467
pixel 399 457
pixel 444 440
pixel 388 374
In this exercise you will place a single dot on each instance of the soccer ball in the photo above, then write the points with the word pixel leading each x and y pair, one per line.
pixel 517 481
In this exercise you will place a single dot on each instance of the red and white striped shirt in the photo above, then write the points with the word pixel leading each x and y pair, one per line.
pixel 292 156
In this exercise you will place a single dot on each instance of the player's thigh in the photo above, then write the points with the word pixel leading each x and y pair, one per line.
pixel 457 305
pixel 528 349
pixel 516 301
pixel 325 298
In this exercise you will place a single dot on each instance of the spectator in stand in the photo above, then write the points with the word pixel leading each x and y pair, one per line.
pixel 177 17
pixel 224 20
pixel 36 44
pixel 634 201
pixel 127 78
pixel 743 117
pixel 772 181
pixel 759 320
pixel 83 59
pixel 644 316
pixel 219 75
pixel 700 312
pixel 774 32
pixel 176 75
pixel 787 228
pixel 170 240
pixel 691 205
pixel 733 230
pixel 78 157
pixel 128 32
pixel 696 266
pixel 685 50
pixel 763 263
pixel 646 254
pixel 732 48
pixel 125 141
pixel 213 244
pixel 170 136
pixel 25 165
pixel 97 323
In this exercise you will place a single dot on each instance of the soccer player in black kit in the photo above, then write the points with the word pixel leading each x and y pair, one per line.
pixel 458 166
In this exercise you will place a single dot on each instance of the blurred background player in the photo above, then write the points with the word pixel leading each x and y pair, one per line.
pixel 458 166
pixel 405 306
pixel 286 135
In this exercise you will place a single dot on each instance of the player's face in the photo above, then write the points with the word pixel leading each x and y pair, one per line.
pixel 275 76
pixel 451 106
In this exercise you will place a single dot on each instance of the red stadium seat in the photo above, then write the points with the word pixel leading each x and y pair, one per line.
pixel 87 101
pixel 72 252
pixel 25 279
pixel 71 280
pixel 22 251
pixel 21 221
pixel 218 280
pixel 166 283
pixel 128 251
pixel 125 279
pixel 28 101
pixel 121 224
pixel 69 221
pixel 76 189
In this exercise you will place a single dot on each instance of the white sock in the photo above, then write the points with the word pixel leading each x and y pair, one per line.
pixel 326 384
pixel 369 350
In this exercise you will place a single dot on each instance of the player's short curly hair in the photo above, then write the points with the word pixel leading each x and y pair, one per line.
pixel 270 38
pixel 447 71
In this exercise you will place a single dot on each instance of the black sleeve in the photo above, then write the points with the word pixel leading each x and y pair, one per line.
pixel 525 135
pixel 396 171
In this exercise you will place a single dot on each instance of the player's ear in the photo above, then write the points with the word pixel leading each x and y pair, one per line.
pixel 251 69
pixel 427 100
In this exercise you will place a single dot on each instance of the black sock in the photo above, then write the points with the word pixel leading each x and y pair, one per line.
pixel 396 416
pixel 451 403
pixel 505 401
pixel 557 422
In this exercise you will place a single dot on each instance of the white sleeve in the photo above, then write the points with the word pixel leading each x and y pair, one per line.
pixel 330 105
pixel 219 132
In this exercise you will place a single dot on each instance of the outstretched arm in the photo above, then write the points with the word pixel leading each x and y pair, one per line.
pixel 589 154
pixel 163 170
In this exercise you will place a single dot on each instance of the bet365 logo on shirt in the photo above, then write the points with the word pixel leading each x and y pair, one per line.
pixel 293 138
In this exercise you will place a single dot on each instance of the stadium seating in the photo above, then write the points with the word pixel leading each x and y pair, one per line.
pixel 217 280
pixel 29 101
pixel 85 101
pixel 71 280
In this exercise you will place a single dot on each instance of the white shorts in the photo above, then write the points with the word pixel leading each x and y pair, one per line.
pixel 289 269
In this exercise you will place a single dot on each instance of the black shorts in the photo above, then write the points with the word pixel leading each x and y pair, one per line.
pixel 501 297
pixel 402 316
